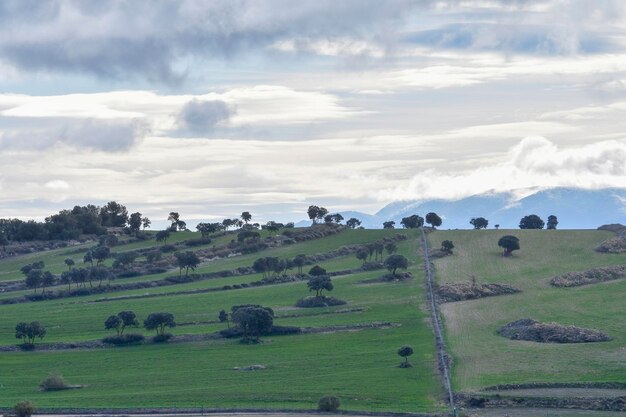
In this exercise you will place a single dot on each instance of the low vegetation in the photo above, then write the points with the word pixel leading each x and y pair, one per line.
pixel 534 331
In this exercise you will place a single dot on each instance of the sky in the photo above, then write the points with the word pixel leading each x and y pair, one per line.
pixel 211 108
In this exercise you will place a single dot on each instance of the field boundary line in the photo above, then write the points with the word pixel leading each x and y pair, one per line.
pixel 442 356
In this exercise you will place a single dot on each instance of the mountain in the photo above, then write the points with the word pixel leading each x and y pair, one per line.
pixel 575 209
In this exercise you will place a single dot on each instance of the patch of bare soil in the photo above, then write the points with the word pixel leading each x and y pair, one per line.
pixel 350 328
pixel 591 276
pixel 534 331
pixel 460 291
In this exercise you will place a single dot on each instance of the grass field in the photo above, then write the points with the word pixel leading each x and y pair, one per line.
pixel 358 366
pixel 482 358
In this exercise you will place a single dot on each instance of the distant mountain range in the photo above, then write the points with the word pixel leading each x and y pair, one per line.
pixel 574 208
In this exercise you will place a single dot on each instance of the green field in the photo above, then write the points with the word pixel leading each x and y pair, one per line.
pixel 358 366
pixel 482 358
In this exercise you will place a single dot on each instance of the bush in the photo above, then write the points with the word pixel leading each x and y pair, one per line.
pixel 311 302
pixel 197 242
pixel 24 409
pixel 53 382
pixel 328 403
pixel 167 248
pixel 126 339
pixel 162 338
pixel 129 274
pixel 284 330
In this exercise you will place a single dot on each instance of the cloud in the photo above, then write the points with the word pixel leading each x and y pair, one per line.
pixel 90 134
pixel 152 41
pixel 57 185
pixel 202 116
pixel 533 162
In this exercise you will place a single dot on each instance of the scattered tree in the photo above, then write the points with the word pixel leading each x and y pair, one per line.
pixel 299 261
pixel 34 279
pixel 113 215
pixel 389 225
pixel 113 323
pixel 246 216
pixel 317 271
pixel 447 246
pixel 100 254
pixel 405 352
pixel 509 243
pixel 69 262
pixel 125 259
pixel 362 253
pixel 47 280
pixel 391 248
pixel 253 321
pixel 353 223
pixel 186 260
pixel 412 222
pixel 394 262
pixel 162 236
pixel 479 222
pixel 224 317
pixel 552 222
pixel 134 222
pixel 531 221
pixel 145 223
pixel 29 331
pixel 319 284
pixel 312 213
pixel 433 219
pixel 159 321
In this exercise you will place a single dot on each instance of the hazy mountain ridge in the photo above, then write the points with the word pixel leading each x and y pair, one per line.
pixel 574 208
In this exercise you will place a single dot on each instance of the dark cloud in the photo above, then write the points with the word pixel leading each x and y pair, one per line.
pixel 153 39
pixel 90 134
pixel 200 116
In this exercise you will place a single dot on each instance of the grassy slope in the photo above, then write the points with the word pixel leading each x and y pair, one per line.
pixel 357 366
pixel 482 357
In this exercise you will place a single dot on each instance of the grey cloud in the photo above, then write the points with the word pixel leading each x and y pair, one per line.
pixel 201 116
pixel 90 134
pixel 151 39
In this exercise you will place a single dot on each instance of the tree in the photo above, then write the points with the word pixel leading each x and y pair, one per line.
pixel 113 323
pixel 100 254
pixel 447 246
pixel 299 261
pixel 24 409
pixel 317 271
pixel 552 222
pixel 319 284
pixel 249 234
pixel 353 223
pixel 391 248
pixel 113 215
pixel 531 221
pixel 509 243
pixel 321 213
pixel 253 321
pixel 272 227
pixel 246 216
pixel 159 321
pixel 479 222
pixel 145 223
pixel 162 236
pixel 69 262
pixel 4 241
pixel 128 319
pixel 34 279
pixel 47 280
pixel 125 259
pixel 99 273
pixel 312 213
pixel 412 222
pixel 393 262
pixel 29 331
pixel 328 219
pixel 433 219
pixel 389 225
pixel 173 217
pixel 405 352
pixel 186 260
pixel 135 222
pixel 224 317
pixel 337 218
pixel 66 278
pixel 362 253
pixel 88 258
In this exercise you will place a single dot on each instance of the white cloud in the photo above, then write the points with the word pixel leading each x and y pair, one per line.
pixel 533 162
pixel 57 185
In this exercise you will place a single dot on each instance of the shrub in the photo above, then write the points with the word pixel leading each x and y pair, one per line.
pixel 311 302
pixel 284 330
pixel 162 338
pixel 328 403
pixel 53 382
pixel 24 409
pixel 167 248
pixel 127 339
pixel 129 274
pixel 197 242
